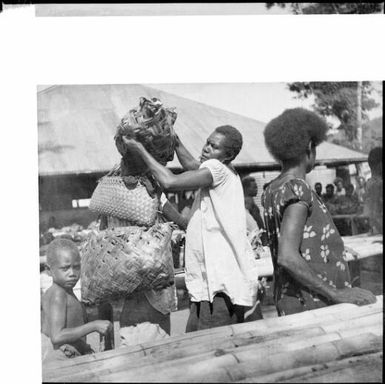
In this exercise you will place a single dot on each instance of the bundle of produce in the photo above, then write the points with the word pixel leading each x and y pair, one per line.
pixel 131 198
pixel 152 125
pixel 115 262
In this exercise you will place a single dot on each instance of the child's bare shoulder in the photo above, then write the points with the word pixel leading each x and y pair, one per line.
pixel 55 294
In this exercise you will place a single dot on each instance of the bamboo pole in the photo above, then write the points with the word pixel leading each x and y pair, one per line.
pixel 297 374
pixel 285 340
pixel 361 372
pixel 254 329
pixel 331 322
pixel 238 366
pixel 284 324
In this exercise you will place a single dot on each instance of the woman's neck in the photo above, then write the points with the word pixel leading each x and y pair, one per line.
pixel 297 170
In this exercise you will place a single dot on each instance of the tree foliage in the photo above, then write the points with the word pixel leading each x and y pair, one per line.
pixel 339 99
pixel 330 8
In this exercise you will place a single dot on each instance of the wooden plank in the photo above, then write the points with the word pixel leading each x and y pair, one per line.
pixel 362 246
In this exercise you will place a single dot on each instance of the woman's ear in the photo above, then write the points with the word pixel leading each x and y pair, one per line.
pixel 309 148
pixel 48 269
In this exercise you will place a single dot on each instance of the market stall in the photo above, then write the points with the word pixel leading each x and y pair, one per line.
pixel 338 343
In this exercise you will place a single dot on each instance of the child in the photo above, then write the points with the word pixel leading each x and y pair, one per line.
pixel 307 250
pixel 64 325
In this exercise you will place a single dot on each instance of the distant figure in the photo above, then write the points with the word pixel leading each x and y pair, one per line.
pixel 52 222
pixel 374 198
pixel 250 190
pixel 340 190
pixel 349 203
pixel 318 189
pixel 361 189
pixel 64 323
pixel 330 199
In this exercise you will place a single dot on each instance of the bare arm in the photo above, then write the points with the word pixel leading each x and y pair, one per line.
pixel 289 257
pixel 189 180
pixel 185 157
pixel 172 214
pixel 57 319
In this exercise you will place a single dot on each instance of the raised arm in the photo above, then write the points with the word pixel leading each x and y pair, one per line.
pixel 187 160
pixel 172 214
pixel 59 334
pixel 189 180
pixel 289 257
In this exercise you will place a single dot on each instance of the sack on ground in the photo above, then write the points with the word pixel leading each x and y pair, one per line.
pixel 115 262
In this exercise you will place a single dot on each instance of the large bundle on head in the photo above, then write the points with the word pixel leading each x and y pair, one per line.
pixel 115 262
pixel 152 125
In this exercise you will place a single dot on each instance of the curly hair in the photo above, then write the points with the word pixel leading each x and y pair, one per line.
pixel 56 245
pixel 375 157
pixel 287 136
pixel 234 141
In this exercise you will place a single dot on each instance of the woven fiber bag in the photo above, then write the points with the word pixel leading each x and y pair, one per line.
pixel 152 125
pixel 112 197
pixel 116 262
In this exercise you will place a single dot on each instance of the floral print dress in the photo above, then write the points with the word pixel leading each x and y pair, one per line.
pixel 321 246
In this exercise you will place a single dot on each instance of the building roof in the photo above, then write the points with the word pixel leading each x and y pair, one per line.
pixel 76 125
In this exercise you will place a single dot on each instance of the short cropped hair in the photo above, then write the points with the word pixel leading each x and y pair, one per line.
pixel 246 181
pixel 337 180
pixel 349 187
pixel 56 245
pixel 287 136
pixel 233 142
pixel 331 186
pixel 375 157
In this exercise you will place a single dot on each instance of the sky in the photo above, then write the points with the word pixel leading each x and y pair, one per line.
pixel 154 9
pixel 261 101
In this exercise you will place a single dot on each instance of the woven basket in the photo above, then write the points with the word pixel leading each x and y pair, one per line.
pixel 115 262
pixel 112 197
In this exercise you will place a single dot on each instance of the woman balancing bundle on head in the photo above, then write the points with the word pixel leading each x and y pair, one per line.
pixel 307 250
pixel 134 262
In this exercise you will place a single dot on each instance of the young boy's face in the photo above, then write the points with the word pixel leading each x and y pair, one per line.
pixel 66 269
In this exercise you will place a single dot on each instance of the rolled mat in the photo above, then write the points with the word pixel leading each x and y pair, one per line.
pixel 115 262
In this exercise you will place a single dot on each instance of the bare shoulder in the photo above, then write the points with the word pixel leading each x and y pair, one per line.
pixel 55 295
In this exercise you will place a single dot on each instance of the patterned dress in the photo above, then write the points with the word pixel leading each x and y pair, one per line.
pixel 321 246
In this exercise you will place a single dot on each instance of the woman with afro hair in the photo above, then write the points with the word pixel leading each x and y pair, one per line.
pixel 221 272
pixel 310 270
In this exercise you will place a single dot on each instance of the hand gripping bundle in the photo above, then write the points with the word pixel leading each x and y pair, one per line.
pixel 115 262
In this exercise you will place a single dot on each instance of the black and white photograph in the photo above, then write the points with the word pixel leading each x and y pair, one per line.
pixel 206 204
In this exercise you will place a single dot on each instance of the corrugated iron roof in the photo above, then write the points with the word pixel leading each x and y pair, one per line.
pixel 76 125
